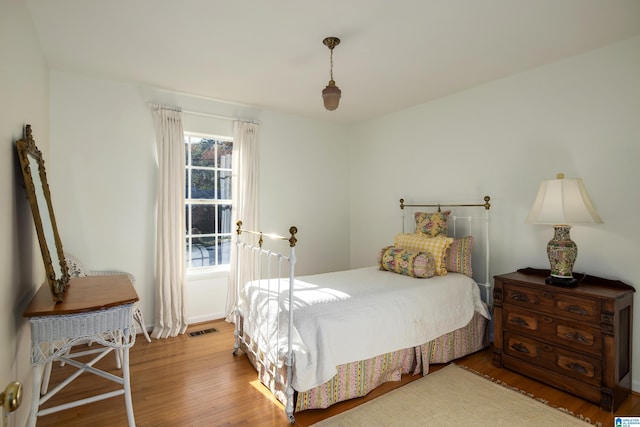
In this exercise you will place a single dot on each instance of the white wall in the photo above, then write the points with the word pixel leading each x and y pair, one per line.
pixel 304 180
pixel 580 116
pixel 25 100
pixel 103 181
pixel 102 177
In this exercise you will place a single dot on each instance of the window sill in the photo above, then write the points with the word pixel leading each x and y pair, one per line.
pixel 207 273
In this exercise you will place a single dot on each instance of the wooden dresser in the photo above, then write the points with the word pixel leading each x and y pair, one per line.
pixel 576 339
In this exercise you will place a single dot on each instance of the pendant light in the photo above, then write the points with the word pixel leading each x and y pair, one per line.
pixel 331 93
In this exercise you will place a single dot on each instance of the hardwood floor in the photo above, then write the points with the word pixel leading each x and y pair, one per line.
pixel 196 381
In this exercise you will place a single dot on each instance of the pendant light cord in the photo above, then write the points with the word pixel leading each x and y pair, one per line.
pixel 331 62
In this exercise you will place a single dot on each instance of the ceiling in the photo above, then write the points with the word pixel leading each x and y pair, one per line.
pixel 269 53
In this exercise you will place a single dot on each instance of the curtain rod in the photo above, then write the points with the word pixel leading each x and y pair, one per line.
pixel 198 113
pixel 216 116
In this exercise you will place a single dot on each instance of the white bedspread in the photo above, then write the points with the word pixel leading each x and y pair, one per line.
pixel 352 315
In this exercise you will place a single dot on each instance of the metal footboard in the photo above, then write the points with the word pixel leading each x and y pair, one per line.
pixel 267 267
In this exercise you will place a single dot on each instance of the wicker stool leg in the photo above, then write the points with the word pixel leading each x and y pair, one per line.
pixel 118 352
pixel 35 398
pixel 127 387
pixel 137 315
pixel 45 378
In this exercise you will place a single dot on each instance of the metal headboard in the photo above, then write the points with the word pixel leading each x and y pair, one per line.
pixel 486 205
pixel 455 218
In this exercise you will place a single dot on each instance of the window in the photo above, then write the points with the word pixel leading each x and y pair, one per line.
pixel 208 200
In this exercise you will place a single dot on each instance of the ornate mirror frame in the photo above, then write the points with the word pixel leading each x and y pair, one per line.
pixel 37 188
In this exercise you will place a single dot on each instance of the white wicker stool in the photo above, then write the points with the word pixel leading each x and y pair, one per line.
pixel 87 314
pixel 77 269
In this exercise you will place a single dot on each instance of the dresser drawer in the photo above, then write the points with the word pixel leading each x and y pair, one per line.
pixel 553 302
pixel 574 335
pixel 527 297
pixel 554 358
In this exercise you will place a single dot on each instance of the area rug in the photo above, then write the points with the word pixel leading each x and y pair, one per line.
pixel 453 396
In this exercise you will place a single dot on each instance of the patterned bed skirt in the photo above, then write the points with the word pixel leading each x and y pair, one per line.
pixel 357 379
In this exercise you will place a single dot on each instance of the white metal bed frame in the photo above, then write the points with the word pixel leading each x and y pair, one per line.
pixel 264 259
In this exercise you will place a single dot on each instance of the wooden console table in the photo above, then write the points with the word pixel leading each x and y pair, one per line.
pixel 95 308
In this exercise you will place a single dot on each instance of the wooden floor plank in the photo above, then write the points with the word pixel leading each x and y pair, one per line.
pixel 196 381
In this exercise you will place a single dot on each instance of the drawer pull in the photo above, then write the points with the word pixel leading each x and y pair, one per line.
pixel 520 297
pixel 519 321
pixel 576 336
pixel 577 367
pixel 576 309
pixel 521 348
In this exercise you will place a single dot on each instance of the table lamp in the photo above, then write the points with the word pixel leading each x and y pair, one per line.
pixel 560 202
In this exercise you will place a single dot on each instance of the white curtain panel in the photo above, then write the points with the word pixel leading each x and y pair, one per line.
pixel 171 318
pixel 245 198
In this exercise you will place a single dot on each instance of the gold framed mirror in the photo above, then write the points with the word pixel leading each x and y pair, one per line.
pixel 37 188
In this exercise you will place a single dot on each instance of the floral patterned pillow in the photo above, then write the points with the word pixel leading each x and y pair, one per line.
pixel 458 257
pixel 432 224
pixel 402 261
pixel 436 246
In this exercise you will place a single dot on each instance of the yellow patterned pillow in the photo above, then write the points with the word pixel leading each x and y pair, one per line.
pixel 436 246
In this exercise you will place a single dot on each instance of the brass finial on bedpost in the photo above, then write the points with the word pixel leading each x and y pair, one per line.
pixel 292 239
pixel 260 240
pixel 487 205
pixel 401 203
pixel 239 229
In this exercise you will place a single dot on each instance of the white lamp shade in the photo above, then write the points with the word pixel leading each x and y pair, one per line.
pixel 562 201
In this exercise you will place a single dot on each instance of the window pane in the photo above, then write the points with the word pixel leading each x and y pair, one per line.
pixel 199 256
pixel 224 185
pixel 187 190
pixel 224 246
pixel 224 218
pixel 202 184
pixel 202 219
pixel 203 153
pixel 187 220
pixel 225 149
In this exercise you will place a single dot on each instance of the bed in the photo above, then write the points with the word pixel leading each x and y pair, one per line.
pixel 336 336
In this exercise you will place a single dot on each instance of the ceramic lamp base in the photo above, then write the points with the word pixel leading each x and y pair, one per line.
pixel 562 253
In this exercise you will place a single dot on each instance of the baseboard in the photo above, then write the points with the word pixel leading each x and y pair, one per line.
pixel 206 318
pixel 192 320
